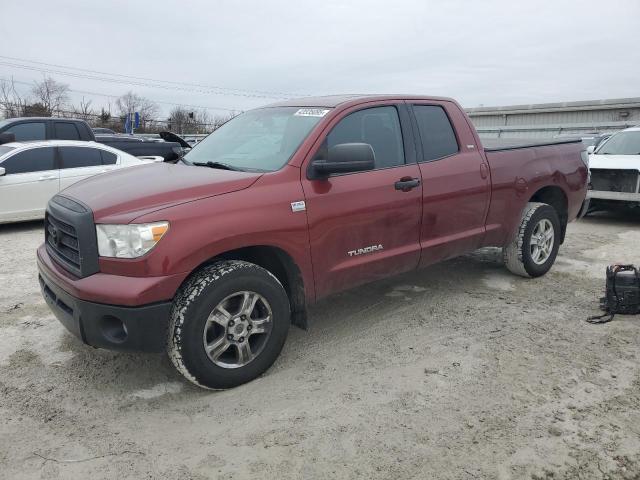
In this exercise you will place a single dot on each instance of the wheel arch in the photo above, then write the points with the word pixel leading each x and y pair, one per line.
pixel 556 197
pixel 282 265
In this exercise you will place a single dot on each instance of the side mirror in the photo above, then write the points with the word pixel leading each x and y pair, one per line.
pixel 2 172
pixel 345 158
pixel 7 138
pixel 591 149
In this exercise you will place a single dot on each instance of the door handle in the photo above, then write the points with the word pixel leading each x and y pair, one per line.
pixel 407 183
pixel 46 177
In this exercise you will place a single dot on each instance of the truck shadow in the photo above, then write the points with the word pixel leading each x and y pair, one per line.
pixel 402 291
pixel 361 315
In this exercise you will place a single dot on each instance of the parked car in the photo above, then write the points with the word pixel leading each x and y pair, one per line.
pixel 33 172
pixel 51 128
pixel 213 257
pixel 615 171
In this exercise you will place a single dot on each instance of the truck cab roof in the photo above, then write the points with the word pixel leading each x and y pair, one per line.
pixel 331 101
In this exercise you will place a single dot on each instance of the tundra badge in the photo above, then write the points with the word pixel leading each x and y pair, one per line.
pixel 369 249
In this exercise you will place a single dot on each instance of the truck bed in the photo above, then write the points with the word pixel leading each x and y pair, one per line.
pixel 520 170
pixel 497 144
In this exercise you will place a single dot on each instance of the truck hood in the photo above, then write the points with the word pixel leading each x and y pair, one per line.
pixel 615 162
pixel 122 195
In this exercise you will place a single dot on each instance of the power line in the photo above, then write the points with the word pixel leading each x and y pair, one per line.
pixel 123 82
pixel 263 92
pixel 207 88
pixel 186 105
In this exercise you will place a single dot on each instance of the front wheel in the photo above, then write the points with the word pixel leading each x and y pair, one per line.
pixel 535 247
pixel 228 324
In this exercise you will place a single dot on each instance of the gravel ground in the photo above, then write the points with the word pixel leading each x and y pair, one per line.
pixel 459 371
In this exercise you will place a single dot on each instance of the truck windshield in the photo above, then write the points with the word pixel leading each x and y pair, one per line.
pixel 258 140
pixel 623 143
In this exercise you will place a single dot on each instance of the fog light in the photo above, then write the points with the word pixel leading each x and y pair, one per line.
pixel 113 329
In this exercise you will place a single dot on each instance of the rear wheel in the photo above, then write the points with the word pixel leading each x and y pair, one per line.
pixel 228 324
pixel 535 247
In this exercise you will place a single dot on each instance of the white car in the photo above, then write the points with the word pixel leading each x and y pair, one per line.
pixel 615 170
pixel 32 172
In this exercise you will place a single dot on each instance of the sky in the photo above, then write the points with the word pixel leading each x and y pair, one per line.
pixel 228 55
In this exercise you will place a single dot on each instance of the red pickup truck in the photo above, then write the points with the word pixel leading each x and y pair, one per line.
pixel 213 257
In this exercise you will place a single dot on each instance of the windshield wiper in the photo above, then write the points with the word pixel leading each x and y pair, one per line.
pixel 220 165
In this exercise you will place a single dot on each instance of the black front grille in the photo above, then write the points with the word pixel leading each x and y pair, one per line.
pixel 62 238
pixel 70 236
pixel 614 180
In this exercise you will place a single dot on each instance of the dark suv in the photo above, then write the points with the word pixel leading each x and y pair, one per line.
pixel 51 128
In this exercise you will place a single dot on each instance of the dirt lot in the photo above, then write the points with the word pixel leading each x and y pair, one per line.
pixel 460 371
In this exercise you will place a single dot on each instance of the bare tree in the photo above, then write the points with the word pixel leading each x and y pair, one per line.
pixel 84 111
pixel 203 122
pixel 130 102
pixel 53 96
pixel 12 104
pixel 187 121
pixel 179 120
pixel 220 120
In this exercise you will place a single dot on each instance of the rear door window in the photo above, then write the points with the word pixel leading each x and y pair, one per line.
pixel 377 126
pixel 108 158
pixel 32 160
pixel 66 131
pixel 78 157
pixel 436 133
pixel 28 131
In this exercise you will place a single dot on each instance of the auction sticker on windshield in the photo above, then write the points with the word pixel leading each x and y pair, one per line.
pixel 311 112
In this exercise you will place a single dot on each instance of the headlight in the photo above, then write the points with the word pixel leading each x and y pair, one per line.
pixel 129 241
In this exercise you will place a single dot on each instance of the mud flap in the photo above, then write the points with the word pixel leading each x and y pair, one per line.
pixel 300 320
pixel 585 208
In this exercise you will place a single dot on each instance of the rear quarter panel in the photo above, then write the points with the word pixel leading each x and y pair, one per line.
pixel 517 174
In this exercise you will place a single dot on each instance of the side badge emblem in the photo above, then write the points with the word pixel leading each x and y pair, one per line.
pixel 298 206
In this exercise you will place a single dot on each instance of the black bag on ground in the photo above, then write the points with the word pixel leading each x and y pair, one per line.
pixel 622 293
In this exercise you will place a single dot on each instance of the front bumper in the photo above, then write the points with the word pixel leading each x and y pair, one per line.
pixel 141 328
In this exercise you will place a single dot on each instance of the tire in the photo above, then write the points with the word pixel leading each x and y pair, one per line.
pixel 208 311
pixel 520 256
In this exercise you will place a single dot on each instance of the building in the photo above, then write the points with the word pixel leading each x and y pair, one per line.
pixel 549 120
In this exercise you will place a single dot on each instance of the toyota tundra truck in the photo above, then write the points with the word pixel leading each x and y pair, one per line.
pixel 213 257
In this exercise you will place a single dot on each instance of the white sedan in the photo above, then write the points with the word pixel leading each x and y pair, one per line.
pixel 615 170
pixel 32 172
